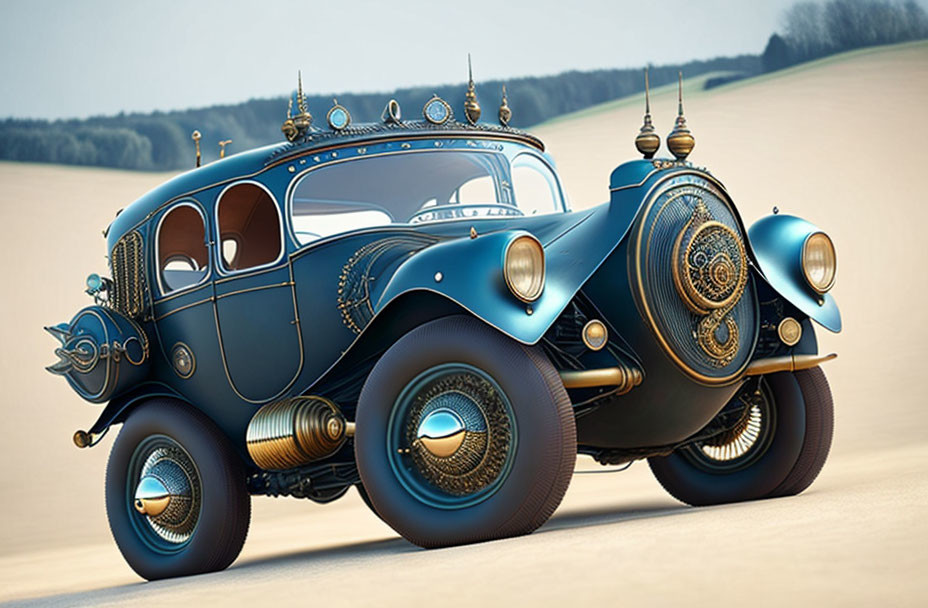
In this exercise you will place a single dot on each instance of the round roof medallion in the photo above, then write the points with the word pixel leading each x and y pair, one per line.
pixel 338 116
pixel 436 110
pixel 183 360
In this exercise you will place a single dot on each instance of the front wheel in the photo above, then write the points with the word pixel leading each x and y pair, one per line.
pixel 464 435
pixel 176 497
pixel 776 446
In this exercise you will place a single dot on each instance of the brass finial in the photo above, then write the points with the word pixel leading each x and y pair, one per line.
pixel 195 136
pixel 504 112
pixel 471 107
pixel 222 147
pixel 303 119
pixel 648 141
pixel 288 128
pixel 680 141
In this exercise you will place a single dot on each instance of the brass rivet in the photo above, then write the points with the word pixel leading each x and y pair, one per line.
pixel 529 310
pixel 438 277
pixel 291 168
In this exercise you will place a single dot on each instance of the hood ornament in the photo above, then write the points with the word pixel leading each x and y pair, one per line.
pixel 504 112
pixel 648 141
pixel 288 128
pixel 195 136
pixel 680 141
pixel 471 106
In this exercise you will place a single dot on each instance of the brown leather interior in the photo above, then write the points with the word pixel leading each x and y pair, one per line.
pixel 248 214
pixel 182 235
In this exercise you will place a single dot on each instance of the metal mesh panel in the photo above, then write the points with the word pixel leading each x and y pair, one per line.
pixel 127 263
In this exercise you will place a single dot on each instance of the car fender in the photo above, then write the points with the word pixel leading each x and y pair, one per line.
pixel 469 272
pixel 119 407
pixel 777 242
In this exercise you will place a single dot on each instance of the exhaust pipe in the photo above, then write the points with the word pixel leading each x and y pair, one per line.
pixel 296 431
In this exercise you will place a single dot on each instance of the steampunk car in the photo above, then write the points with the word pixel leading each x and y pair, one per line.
pixel 411 308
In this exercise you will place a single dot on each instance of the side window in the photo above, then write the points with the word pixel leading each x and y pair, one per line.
pixel 533 184
pixel 182 256
pixel 249 227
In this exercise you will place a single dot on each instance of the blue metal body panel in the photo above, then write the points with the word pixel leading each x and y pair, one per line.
pixel 777 243
pixel 288 328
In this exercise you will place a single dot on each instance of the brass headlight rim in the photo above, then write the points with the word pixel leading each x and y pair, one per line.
pixel 834 275
pixel 541 288
pixel 782 331
pixel 586 340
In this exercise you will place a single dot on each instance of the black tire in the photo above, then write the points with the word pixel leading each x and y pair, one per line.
pixel 219 524
pixel 786 462
pixel 540 460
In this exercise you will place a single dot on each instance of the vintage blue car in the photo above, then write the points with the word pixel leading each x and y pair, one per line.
pixel 411 308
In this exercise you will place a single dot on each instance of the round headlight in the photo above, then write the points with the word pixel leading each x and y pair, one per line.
pixel 524 268
pixel 819 262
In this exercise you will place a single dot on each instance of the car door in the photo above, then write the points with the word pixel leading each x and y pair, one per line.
pixel 255 305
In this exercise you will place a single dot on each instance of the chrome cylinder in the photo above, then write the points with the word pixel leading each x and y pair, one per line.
pixel 296 431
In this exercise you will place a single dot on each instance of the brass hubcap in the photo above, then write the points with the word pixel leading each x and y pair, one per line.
pixel 168 494
pixel 441 433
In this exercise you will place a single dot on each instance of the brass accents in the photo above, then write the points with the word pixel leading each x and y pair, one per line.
pixel 819 263
pixel 441 432
pixel 437 111
pixel 680 141
pixel 623 377
pixel 524 268
pixel 473 232
pixel 294 126
pixel 222 147
pixel 338 116
pixel 505 113
pixel 710 274
pixel 128 295
pixel 648 141
pixel 151 496
pixel 82 439
pixel 392 114
pixel 438 277
pixel 471 105
pixel 183 361
pixel 789 363
pixel 195 136
pixel 288 128
pixel 595 335
pixel 790 331
pixel 295 431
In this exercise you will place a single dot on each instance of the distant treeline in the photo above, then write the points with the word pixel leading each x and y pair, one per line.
pixel 812 30
pixel 161 140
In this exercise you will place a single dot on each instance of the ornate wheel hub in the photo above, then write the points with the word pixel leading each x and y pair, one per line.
pixel 167 494
pixel 744 442
pixel 458 428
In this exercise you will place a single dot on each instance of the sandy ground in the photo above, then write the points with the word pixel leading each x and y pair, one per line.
pixel 840 143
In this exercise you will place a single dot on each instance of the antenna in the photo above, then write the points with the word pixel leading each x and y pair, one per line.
pixel 648 141
pixel 680 141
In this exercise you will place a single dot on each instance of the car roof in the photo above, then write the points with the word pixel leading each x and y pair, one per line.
pixel 251 162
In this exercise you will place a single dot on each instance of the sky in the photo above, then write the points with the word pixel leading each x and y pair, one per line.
pixel 97 57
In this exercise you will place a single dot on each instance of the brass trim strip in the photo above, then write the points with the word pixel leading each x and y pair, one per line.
pixel 789 363
pixel 185 307
pixel 259 288
pixel 622 377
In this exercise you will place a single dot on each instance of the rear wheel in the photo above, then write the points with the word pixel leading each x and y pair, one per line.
pixel 176 497
pixel 463 435
pixel 776 446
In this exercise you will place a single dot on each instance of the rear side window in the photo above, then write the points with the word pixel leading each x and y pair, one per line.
pixel 183 259
pixel 249 227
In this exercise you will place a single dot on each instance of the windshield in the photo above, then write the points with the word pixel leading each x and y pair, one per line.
pixel 417 187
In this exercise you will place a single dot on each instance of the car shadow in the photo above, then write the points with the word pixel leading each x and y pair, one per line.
pixel 258 567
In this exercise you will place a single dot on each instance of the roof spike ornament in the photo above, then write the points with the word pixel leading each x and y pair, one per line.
pixel 288 128
pixel 303 119
pixel 504 112
pixel 471 105
pixel 648 141
pixel 680 141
